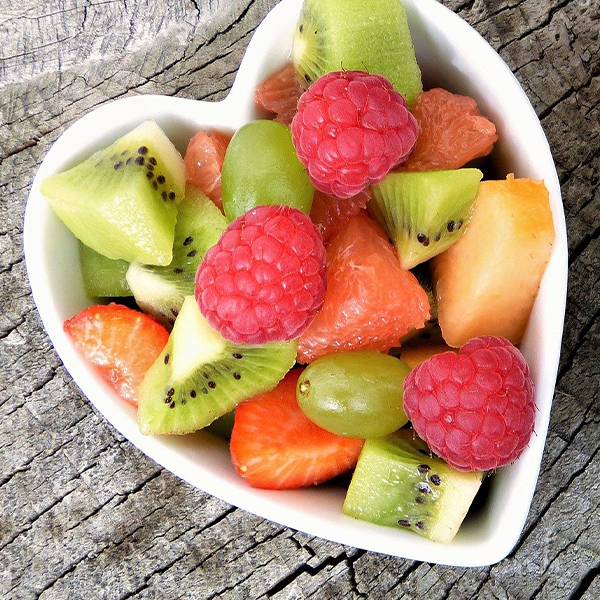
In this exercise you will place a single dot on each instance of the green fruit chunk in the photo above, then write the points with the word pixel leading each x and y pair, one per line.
pixel 200 376
pixel 335 35
pixel 425 213
pixel 399 484
pixel 261 167
pixel 160 291
pixel 356 394
pixel 103 277
pixel 223 426
pixel 122 201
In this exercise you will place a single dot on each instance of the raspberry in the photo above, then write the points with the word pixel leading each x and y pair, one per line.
pixel 264 280
pixel 351 128
pixel 475 409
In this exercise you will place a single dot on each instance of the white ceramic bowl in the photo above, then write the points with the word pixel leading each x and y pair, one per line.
pixel 451 54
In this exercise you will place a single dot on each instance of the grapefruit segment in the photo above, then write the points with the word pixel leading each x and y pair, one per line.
pixel 331 214
pixel 204 162
pixel 279 94
pixel 452 132
pixel 486 283
pixel 370 303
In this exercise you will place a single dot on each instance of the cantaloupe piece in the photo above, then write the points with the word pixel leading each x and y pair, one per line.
pixel 486 283
pixel 414 355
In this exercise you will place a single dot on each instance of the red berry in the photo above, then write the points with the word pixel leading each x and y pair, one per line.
pixel 350 130
pixel 121 343
pixel 475 409
pixel 275 446
pixel 264 280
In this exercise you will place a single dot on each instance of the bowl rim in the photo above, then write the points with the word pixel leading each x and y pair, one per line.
pixel 177 455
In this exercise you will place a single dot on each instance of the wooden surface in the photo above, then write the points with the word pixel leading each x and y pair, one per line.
pixel 82 513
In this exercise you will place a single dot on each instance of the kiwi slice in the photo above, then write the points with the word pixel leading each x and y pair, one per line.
pixel 160 291
pixel 103 277
pixel 335 35
pixel 200 376
pixel 398 483
pixel 424 213
pixel 122 201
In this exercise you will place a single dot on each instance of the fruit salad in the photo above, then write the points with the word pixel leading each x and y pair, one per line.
pixel 339 287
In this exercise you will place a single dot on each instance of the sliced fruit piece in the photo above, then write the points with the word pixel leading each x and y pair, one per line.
pixel 431 330
pixel 331 214
pixel 261 167
pixel 200 376
pixel 103 277
pixel 416 351
pixel 397 483
pixel 122 201
pixel 223 426
pixel 370 303
pixel 487 282
pixel 425 213
pixel 279 94
pixel 452 132
pixel 275 446
pixel 204 162
pixel 344 34
pixel 160 291
pixel 357 394
pixel 121 343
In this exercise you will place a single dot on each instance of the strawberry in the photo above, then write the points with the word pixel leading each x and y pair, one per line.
pixel 275 446
pixel 119 342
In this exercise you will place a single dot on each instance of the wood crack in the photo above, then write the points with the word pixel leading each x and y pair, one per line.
pixel 581 338
pixel 568 94
pixel 543 24
pixel 77 563
pixel 585 584
pixel 530 530
pixel 567 547
pixel 329 562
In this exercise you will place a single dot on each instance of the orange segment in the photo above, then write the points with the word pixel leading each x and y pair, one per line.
pixel 452 132
pixel 204 161
pixel 279 94
pixel 487 282
pixel 371 302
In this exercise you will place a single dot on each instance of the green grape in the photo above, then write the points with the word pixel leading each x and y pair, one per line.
pixel 356 394
pixel 261 167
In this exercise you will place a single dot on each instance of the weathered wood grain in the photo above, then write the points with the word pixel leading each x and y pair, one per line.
pixel 83 514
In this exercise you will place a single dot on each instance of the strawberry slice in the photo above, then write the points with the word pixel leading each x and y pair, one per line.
pixel 275 446
pixel 119 342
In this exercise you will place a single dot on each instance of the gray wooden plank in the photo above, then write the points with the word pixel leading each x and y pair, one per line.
pixel 82 512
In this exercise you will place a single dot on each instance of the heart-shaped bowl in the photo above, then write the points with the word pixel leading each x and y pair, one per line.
pixel 452 55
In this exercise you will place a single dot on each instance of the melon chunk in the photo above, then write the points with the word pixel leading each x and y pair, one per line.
pixel 486 283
